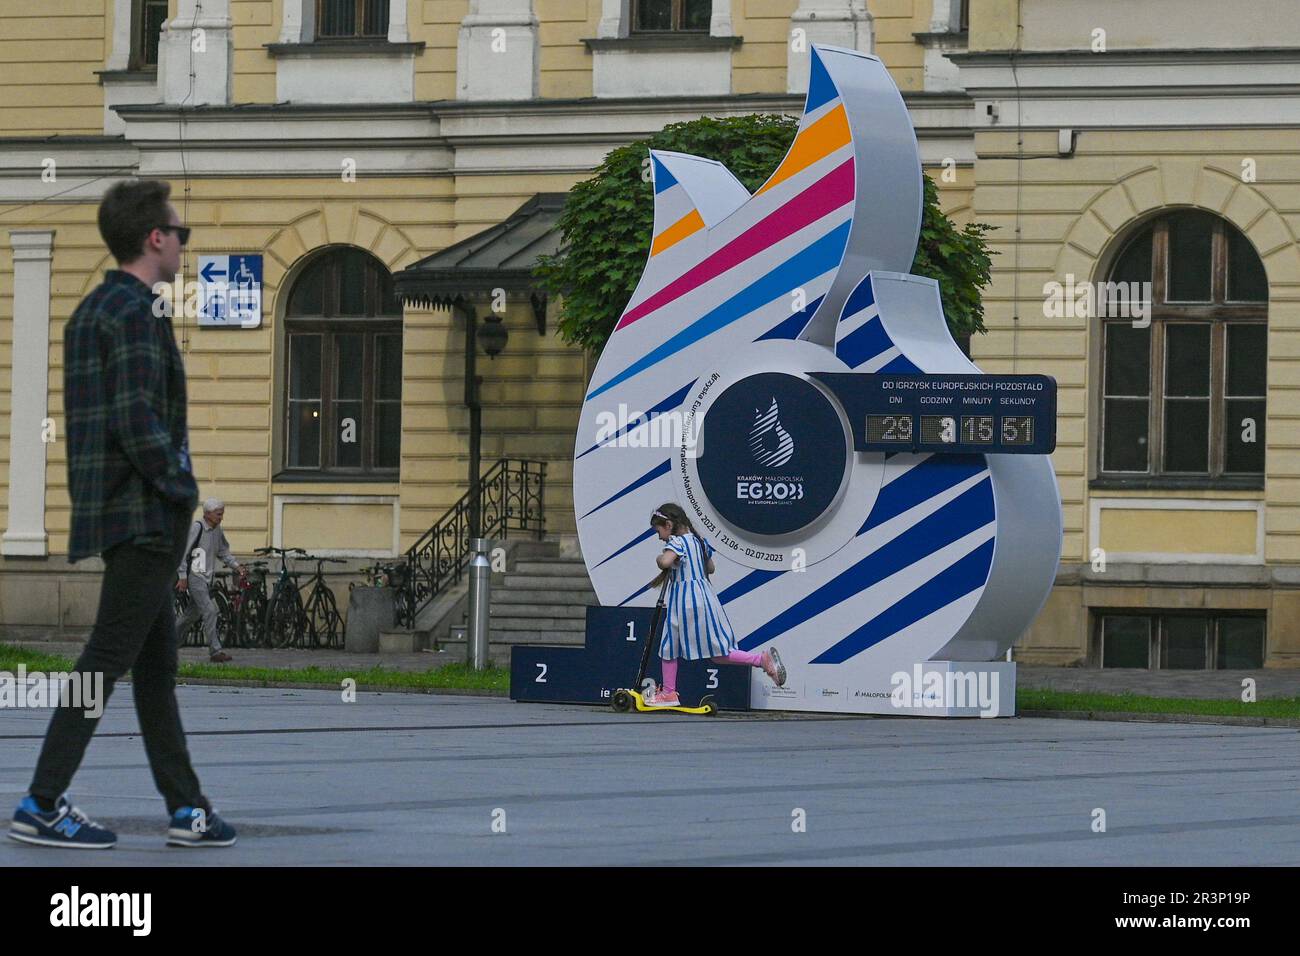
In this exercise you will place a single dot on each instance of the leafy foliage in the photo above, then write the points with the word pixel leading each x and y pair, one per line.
pixel 607 223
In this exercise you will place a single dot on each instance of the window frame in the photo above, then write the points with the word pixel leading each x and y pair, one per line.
pixel 678 13
pixel 362 6
pixel 137 59
pixel 1218 313
pixel 329 325
pixel 1157 648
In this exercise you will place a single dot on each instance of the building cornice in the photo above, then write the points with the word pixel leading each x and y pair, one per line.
pixel 429 138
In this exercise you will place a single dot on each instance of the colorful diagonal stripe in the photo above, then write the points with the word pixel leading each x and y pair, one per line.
pixel 818 258
pixel 821 198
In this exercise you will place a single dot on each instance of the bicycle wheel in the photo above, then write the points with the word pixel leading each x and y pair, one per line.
pixel 225 617
pixel 325 618
pixel 252 618
pixel 284 617
pixel 181 604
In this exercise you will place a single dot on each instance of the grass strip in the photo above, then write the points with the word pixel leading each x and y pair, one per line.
pixel 1028 700
pixel 458 676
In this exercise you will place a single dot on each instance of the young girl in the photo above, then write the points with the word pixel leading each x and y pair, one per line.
pixel 696 625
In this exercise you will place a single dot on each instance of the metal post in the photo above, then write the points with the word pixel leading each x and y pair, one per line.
pixel 473 400
pixel 480 599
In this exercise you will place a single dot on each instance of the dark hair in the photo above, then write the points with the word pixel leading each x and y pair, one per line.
pixel 131 210
pixel 674 516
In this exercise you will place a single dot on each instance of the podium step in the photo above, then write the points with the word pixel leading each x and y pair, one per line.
pixel 608 659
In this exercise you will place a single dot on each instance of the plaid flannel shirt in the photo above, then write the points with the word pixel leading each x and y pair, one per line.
pixel 129 470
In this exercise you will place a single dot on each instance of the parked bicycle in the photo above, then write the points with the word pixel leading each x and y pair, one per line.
pixel 285 621
pixel 249 606
pixel 324 624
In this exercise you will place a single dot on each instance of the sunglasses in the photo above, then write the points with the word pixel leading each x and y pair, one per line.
pixel 182 232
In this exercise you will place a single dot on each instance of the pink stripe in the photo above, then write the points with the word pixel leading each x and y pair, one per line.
pixel 827 194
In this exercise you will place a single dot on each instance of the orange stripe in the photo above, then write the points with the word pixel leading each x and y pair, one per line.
pixel 819 140
pixel 688 224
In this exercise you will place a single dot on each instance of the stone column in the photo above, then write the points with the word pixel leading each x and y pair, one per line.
pixel 844 23
pixel 496 53
pixel 29 393
pixel 198 43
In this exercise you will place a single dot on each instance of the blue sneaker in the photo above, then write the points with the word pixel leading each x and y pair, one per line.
pixel 64 826
pixel 191 826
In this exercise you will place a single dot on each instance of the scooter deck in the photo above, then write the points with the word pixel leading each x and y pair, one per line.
pixel 707 707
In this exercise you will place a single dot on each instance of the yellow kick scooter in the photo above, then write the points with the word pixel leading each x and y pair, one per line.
pixel 625 699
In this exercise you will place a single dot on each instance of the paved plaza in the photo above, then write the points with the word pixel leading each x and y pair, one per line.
pixel 419 779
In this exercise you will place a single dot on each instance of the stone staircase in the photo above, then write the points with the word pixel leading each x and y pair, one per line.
pixel 541 599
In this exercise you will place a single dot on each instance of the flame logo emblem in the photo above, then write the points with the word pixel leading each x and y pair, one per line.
pixel 767 426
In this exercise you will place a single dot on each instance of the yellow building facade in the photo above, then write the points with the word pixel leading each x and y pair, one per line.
pixel 300 129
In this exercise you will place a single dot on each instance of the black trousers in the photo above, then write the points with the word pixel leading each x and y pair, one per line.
pixel 134 631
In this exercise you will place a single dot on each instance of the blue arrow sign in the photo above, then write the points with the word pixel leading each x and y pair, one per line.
pixel 207 272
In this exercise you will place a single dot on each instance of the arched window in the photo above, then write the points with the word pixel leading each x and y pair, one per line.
pixel 343 402
pixel 1183 396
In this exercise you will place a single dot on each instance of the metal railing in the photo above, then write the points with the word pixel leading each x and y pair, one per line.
pixel 510 498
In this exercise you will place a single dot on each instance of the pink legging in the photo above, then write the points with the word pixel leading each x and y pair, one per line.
pixel 747 658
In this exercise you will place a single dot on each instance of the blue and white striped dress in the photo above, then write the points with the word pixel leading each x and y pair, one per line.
pixel 696 625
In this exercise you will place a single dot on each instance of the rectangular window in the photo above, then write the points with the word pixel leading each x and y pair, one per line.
pixel 147 19
pixel 664 16
pixel 1187 398
pixel 344 401
pixel 1126 403
pixel 1243 398
pixel 1172 641
pixel 304 400
pixel 1125 641
pixel 351 19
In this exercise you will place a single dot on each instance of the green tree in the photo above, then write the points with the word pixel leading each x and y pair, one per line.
pixel 607 223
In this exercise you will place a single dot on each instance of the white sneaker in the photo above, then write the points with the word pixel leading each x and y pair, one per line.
pixel 773 667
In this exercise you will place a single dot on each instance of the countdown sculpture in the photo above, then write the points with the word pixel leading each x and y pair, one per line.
pixel 774 345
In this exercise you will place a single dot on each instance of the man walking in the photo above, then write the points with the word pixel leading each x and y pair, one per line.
pixel 207 544
pixel 133 492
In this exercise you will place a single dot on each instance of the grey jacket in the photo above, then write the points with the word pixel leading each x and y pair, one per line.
pixel 212 542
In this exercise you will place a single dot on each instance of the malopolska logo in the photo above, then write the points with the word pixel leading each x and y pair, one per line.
pixel 74 909
pixel 943 689
pixel 37 690
pixel 771 444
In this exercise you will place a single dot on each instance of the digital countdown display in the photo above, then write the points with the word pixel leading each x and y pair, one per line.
pixel 889 428
pixel 960 414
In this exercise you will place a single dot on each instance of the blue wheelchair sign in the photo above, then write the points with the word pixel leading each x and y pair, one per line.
pixel 232 290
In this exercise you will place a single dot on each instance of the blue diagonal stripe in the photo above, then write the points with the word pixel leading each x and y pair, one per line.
pixel 647 533
pixel 949 585
pixel 746 584
pixel 818 258
pixel 864 342
pixel 970 510
pixel 651 475
pixel 899 366
pixel 931 477
pixel 863 296
pixel 634 595
pixel 791 327
pixel 663 178
pixel 669 403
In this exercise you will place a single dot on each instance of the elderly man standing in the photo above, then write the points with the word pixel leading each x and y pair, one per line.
pixel 207 543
